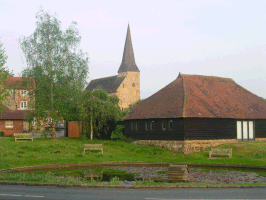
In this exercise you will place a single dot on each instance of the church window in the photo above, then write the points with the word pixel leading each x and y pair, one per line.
pixel 132 126
pixel 146 126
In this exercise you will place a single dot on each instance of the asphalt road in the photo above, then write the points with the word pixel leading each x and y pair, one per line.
pixel 42 193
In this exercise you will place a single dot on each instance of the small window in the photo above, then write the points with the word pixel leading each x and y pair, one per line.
pixel 170 125
pixel 23 92
pixel 163 125
pixel 146 126
pixel 9 124
pixel 11 91
pixel 136 126
pixel 132 126
pixel 23 104
pixel 152 125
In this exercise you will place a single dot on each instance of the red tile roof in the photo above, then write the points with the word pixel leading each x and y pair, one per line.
pixel 195 96
pixel 13 115
pixel 19 82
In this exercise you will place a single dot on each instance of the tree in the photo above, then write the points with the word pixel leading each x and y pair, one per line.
pixel 4 74
pixel 96 109
pixel 58 66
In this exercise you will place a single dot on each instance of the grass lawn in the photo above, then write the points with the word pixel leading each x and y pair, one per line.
pixel 70 150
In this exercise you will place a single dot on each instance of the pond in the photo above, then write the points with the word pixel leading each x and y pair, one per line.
pixel 129 174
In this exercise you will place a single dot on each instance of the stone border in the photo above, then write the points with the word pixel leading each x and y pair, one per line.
pixel 115 163
pixel 124 186
pixel 93 164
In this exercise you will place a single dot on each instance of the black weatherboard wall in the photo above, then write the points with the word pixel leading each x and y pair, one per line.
pixel 177 132
pixel 209 128
pixel 260 128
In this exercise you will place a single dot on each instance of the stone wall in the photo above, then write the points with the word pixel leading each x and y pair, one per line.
pixel 260 139
pixel 186 147
pixel 129 90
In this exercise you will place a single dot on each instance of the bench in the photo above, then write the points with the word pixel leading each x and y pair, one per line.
pixel 23 136
pixel 221 152
pixel 93 147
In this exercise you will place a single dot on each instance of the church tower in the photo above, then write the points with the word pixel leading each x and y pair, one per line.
pixel 125 85
pixel 128 68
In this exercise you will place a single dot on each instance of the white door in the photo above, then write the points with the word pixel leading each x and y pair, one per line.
pixel 245 130
pixel 250 130
pixel 239 130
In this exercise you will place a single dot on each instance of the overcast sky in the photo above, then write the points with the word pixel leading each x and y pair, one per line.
pixel 225 38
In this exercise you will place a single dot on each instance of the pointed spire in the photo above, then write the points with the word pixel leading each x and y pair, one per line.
pixel 128 60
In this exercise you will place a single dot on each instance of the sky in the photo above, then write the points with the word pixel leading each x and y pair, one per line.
pixel 224 38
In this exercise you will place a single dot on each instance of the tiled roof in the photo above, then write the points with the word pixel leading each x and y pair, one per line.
pixel 19 82
pixel 128 60
pixel 110 84
pixel 195 96
pixel 13 115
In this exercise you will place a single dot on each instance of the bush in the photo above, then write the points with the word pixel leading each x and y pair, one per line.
pixel 117 133
pixel 2 134
pixel 45 133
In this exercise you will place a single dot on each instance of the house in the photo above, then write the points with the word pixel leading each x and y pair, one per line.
pixel 195 112
pixel 13 119
pixel 125 85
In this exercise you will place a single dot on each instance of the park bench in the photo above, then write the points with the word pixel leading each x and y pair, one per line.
pixel 93 147
pixel 221 152
pixel 23 136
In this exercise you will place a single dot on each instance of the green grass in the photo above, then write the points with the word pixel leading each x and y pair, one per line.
pixel 70 150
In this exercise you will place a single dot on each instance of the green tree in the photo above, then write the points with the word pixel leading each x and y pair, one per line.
pixel 96 109
pixel 4 74
pixel 58 66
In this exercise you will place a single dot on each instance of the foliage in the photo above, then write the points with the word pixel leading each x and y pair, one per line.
pixel 126 110
pixel 45 134
pixel 2 133
pixel 115 181
pixel 4 74
pixel 58 67
pixel 96 109
pixel 117 133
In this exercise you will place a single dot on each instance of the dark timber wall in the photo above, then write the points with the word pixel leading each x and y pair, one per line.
pixel 177 132
pixel 206 128
pixel 260 128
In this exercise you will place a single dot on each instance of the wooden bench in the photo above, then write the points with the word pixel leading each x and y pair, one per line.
pixel 23 136
pixel 221 152
pixel 93 147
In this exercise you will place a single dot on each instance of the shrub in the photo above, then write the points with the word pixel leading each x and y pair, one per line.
pixel 45 133
pixel 117 133
pixel 2 134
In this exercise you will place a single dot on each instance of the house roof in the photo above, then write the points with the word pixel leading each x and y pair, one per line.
pixel 196 96
pixel 110 84
pixel 19 82
pixel 128 60
pixel 13 115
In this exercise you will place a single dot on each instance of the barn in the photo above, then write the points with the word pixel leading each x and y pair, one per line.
pixel 195 112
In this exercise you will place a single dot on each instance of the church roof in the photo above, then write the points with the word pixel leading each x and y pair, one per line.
pixel 196 96
pixel 110 84
pixel 128 60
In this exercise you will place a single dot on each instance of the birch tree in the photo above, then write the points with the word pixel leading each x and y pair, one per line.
pixel 59 67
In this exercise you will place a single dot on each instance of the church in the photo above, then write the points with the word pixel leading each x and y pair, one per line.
pixel 125 85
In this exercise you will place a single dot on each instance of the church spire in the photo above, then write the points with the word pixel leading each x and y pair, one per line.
pixel 128 61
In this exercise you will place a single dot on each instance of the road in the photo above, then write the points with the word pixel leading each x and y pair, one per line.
pixel 42 193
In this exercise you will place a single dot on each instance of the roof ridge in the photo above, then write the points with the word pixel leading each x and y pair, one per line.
pixel 103 78
pixel 205 76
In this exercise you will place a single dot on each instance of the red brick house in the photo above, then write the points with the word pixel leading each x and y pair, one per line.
pixel 195 112
pixel 13 121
